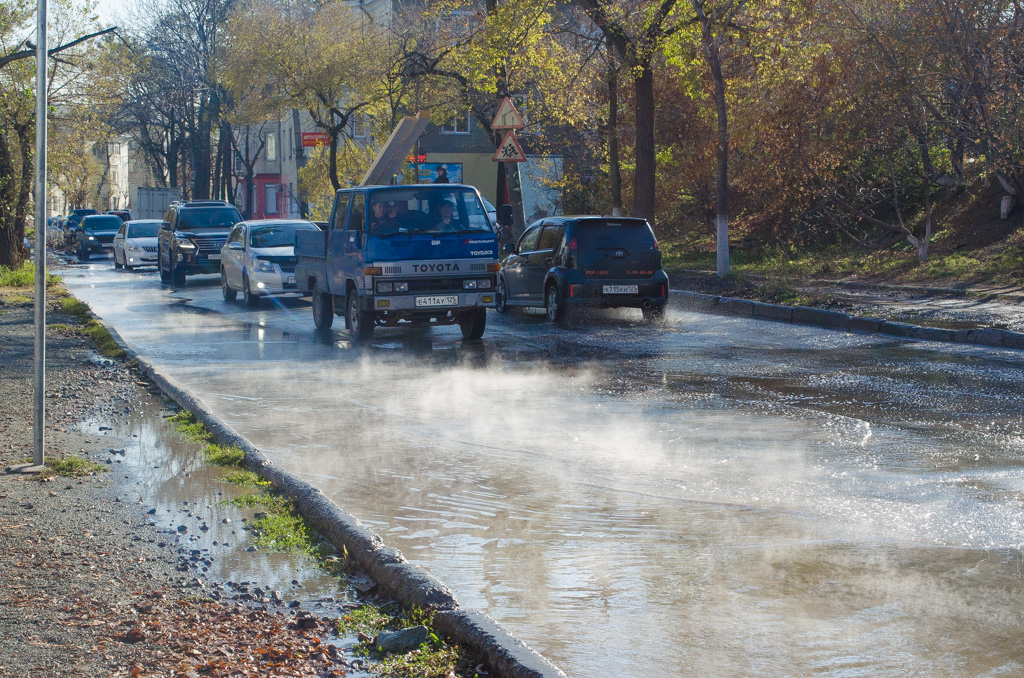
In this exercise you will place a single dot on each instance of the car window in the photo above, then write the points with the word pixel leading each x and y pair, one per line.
pixel 276 235
pixel 121 231
pixel 101 222
pixel 207 217
pixel 600 235
pixel 356 213
pixel 340 212
pixel 528 243
pixel 550 237
pixel 145 230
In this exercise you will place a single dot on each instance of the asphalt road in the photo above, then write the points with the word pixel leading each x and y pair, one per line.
pixel 713 496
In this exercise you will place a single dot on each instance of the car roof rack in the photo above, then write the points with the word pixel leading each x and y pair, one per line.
pixel 206 203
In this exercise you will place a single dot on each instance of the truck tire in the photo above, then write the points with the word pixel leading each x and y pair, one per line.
pixel 360 323
pixel 323 309
pixel 473 323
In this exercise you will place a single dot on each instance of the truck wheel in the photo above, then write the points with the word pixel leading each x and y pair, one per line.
pixel 165 276
pixel 177 276
pixel 251 300
pixel 323 309
pixel 230 293
pixel 473 324
pixel 360 323
pixel 553 304
pixel 501 297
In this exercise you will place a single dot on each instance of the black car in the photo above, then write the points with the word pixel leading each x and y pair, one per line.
pixel 71 223
pixel 96 234
pixel 125 215
pixel 565 262
pixel 191 236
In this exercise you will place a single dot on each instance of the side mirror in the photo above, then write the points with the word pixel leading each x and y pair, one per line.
pixel 165 225
pixel 505 217
pixel 508 248
pixel 236 245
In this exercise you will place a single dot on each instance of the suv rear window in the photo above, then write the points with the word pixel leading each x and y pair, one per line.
pixel 207 217
pixel 631 235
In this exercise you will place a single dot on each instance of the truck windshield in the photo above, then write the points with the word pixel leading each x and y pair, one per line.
pixel 207 217
pixel 426 209
pixel 276 235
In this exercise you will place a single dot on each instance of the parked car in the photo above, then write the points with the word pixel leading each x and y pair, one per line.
pixel 96 234
pixel 565 262
pixel 124 214
pixel 135 244
pixel 191 236
pixel 258 259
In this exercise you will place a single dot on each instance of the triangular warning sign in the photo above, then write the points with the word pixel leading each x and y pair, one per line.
pixel 507 117
pixel 509 150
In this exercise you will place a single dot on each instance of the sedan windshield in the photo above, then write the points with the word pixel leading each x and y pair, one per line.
pixel 145 229
pixel 426 209
pixel 276 235
pixel 102 223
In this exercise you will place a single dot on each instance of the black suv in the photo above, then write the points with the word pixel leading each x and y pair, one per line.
pixel 604 262
pixel 95 233
pixel 191 236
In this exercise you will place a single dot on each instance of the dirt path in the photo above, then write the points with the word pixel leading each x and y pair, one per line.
pixel 87 586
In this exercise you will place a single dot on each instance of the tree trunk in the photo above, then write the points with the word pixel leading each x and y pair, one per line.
pixel 614 171
pixel 644 177
pixel 10 248
pixel 26 139
pixel 332 160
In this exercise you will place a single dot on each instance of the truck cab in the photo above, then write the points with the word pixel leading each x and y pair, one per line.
pixel 401 256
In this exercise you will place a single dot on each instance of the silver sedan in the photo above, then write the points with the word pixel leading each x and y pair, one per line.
pixel 135 244
pixel 258 259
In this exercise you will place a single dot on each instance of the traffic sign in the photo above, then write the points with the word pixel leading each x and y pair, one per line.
pixel 507 116
pixel 509 150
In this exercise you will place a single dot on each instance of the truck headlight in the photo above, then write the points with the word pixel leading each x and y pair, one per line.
pixel 385 288
pixel 402 287
pixel 263 265
pixel 483 284
pixel 469 284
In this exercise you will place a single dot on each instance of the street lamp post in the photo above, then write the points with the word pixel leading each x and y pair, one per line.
pixel 40 254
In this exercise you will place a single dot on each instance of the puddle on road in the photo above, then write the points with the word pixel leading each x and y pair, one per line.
pixel 185 500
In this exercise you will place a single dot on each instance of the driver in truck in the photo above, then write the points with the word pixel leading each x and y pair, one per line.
pixel 385 218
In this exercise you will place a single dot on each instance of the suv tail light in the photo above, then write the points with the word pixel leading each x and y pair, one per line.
pixel 570 261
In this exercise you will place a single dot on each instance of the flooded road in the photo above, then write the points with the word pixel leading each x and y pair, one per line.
pixel 718 496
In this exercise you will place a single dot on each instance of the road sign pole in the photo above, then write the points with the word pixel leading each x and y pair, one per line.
pixel 40 258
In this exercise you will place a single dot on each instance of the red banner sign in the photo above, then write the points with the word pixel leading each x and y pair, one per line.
pixel 315 139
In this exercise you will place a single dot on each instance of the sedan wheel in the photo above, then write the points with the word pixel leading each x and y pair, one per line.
pixel 230 293
pixel 501 297
pixel 251 300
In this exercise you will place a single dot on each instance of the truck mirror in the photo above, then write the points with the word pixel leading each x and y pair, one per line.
pixel 505 215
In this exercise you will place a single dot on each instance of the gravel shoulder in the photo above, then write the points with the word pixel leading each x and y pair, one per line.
pixel 88 586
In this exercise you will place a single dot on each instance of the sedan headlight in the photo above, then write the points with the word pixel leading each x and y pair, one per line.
pixel 262 265
pixel 185 244
pixel 134 248
pixel 91 238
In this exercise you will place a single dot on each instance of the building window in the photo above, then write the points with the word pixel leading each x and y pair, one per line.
pixel 458 124
pixel 270 199
pixel 359 126
pixel 271 146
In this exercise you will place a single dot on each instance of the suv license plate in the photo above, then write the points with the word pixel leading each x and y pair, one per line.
pixel 213 257
pixel 446 300
pixel 621 289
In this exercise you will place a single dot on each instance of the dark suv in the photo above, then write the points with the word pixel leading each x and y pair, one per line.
pixel 604 262
pixel 96 233
pixel 191 236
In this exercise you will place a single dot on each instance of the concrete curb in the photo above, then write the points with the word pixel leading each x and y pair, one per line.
pixel 403 581
pixel 836 320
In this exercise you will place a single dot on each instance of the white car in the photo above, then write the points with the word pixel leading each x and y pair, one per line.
pixel 258 259
pixel 135 244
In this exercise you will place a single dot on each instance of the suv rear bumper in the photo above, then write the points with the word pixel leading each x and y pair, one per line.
pixel 627 293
